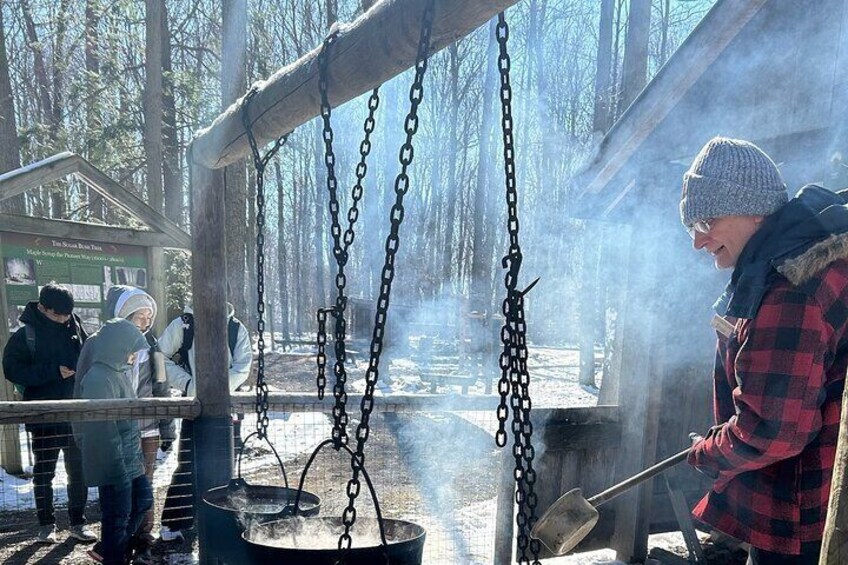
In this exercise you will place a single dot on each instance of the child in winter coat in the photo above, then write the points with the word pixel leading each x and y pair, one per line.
pixel 111 449
pixel 149 380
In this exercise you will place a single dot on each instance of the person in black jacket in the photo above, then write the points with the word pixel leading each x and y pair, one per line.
pixel 41 358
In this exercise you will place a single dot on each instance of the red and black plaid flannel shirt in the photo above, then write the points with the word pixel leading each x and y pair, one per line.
pixel 778 390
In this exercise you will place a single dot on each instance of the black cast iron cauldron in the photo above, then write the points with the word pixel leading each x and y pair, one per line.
pixel 235 506
pixel 404 543
pixel 293 541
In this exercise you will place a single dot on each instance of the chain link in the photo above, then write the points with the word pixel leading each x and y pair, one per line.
pixel 406 155
pixel 341 246
pixel 260 162
pixel 515 379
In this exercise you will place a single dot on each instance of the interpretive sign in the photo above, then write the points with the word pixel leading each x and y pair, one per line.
pixel 87 268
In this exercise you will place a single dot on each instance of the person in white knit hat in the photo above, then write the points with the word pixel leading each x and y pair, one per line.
pixel 149 379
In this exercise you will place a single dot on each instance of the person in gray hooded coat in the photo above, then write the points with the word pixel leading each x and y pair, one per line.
pixel 111 449
pixel 149 380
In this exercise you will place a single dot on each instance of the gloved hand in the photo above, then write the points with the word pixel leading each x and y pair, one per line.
pixel 165 445
pixel 695 438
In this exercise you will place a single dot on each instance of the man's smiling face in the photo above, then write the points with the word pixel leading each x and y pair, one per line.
pixel 726 238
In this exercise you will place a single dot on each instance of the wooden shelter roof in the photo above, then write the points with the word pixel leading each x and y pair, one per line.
pixel 763 70
pixel 162 231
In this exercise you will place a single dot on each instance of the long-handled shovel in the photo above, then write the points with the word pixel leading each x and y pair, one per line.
pixel 572 517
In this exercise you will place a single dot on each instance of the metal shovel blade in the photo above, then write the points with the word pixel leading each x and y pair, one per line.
pixel 566 522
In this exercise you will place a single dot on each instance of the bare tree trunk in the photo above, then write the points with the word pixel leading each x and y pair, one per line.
pixel 482 247
pixel 431 236
pixel 603 86
pixel 300 202
pixel 301 265
pixel 615 102
pixel 233 84
pixel 320 294
pixel 92 101
pixel 39 68
pixel 282 257
pixel 318 240
pixel 152 102
pixel 666 15
pixel 332 12
pixel 172 178
pixel 587 306
pixel 635 69
pixel 59 66
pixel 47 106
pixel 452 192
pixel 252 315
pixel 58 198
pixel 10 147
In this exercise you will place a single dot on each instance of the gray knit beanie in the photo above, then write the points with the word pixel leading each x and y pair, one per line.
pixel 731 177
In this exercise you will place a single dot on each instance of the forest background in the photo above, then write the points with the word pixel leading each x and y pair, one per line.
pixel 126 84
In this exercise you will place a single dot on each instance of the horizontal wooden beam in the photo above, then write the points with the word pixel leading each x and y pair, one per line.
pixel 81 230
pixel 48 411
pixel 388 403
pixel 380 44
pixel 574 437
pixel 244 402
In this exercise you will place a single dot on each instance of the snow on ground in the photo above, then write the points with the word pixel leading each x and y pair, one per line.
pixel 468 532
pixel 16 493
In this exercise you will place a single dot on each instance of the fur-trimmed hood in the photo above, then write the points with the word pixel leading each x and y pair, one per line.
pixel 813 261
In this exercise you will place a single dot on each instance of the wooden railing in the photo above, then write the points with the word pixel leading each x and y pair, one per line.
pixel 12 412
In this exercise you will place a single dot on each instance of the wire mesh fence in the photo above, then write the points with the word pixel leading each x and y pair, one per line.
pixel 436 467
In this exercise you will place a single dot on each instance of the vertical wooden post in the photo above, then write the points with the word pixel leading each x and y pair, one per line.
pixel 640 391
pixel 213 436
pixel 10 443
pixel 835 543
pixel 505 516
pixel 156 287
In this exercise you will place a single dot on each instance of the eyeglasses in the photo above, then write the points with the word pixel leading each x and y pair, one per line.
pixel 700 226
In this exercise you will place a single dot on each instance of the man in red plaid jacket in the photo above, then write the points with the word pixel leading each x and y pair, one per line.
pixel 780 372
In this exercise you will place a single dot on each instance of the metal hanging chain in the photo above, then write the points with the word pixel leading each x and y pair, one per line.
pixel 259 163
pixel 416 95
pixel 515 378
pixel 340 247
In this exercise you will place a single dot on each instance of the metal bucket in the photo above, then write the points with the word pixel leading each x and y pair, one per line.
pixel 294 541
pixel 275 542
pixel 233 507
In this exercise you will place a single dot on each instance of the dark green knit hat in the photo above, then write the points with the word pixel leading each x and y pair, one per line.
pixel 731 177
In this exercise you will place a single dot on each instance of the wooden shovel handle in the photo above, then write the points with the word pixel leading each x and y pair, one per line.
pixel 627 484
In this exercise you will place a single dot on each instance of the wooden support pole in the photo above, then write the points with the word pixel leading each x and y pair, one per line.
pixel 380 44
pixel 156 287
pixel 835 543
pixel 639 397
pixel 209 291
pixel 10 443
pixel 213 434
